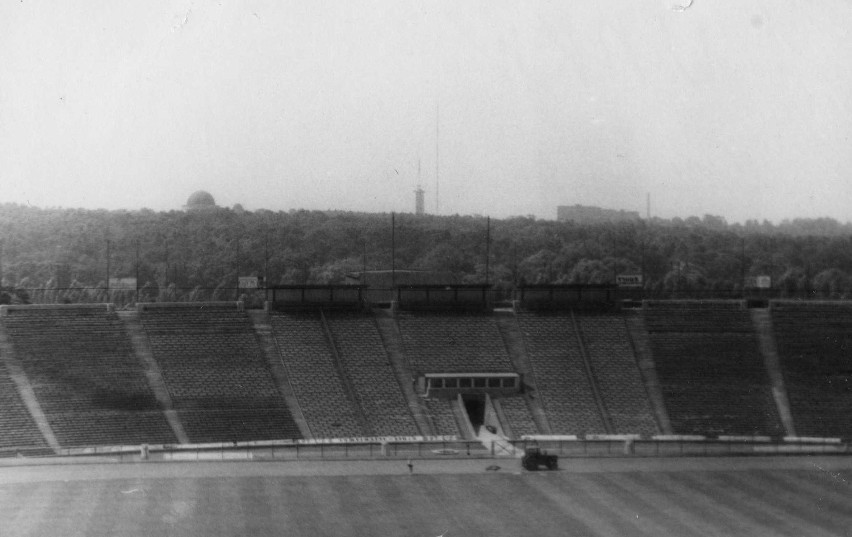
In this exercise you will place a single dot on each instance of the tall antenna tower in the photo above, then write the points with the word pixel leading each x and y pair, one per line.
pixel 419 201
pixel 437 157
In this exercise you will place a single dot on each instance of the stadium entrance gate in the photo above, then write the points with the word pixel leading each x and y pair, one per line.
pixel 474 406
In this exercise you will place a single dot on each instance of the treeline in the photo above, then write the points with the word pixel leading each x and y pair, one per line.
pixel 55 255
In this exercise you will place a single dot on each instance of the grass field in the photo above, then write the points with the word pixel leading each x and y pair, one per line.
pixel 793 496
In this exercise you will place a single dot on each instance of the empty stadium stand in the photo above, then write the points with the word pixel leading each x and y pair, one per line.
pixel 453 343
pixel 85 376
pixel 517 414
pixel 71 376
pixel 236 425
pixel 563 385
pixel 814 342
pixel 710 368
pixel 19 432
pixel 616 373
pixel 366 365
pixel 440 412
pixel 213 366
pixel 315 376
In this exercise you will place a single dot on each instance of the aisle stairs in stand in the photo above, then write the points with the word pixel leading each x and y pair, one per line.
pixel 392 340
pixel 513 338
pixel 142 349
pixel 263 328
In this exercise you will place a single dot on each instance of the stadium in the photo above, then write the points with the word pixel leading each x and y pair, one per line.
pixel 471 268
pixel 334 411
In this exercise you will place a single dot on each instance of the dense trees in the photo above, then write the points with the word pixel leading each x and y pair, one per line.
pixel 61 254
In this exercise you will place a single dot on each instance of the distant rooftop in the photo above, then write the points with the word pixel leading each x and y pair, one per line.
pixel 584 214
pixel 200 200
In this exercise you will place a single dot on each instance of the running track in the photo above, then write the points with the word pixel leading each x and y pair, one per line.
pixel 784 496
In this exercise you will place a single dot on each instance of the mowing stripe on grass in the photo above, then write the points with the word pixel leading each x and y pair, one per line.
pixel 673 517
pixel 647 520
pixel 743 499
pixel 808 514
pixel 678 490
pixel 640 485
pixel 821 493
pixel 573 501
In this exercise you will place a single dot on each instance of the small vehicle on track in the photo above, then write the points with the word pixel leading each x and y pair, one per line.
pixel 534 457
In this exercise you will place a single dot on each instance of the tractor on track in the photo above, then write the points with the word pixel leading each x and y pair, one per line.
pixel 535 457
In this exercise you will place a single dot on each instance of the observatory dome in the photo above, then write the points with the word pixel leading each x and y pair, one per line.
pixel 200 200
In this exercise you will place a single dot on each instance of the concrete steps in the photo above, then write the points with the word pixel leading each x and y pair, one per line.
pixel 763 327
pixel 590 373
pixel 142 349
pixel 25 390
pixel 263 329
pixel 392 339
pixel 513 338
pixel 346 380
pixel 645 359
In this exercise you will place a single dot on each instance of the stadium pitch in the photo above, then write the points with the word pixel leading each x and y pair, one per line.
pixel 787 496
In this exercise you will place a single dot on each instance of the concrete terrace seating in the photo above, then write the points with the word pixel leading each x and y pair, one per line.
pixel 18 431
pixel 683 316
pixel 711 371
pixel 560 375
pixel 365 361
pixel 310 363
pixel 236 425
pixel 814 342
pixel 211 360
pixel 453 343
pixel 84 373
pixel 619 382
pixel 518 415
pixel 441 413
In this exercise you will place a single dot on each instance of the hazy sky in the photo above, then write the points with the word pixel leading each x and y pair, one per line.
pixel 741 109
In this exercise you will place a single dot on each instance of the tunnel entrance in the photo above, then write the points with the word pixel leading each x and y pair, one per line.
pixel 474 406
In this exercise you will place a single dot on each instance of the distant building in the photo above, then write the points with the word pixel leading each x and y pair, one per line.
pixel 583 214
pixel 200 201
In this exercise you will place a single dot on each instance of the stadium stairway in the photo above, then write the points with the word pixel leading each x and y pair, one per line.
pixel 612 363
pixel 392 339
pixel 87 379
pixel 368 369
pixel 645 359
pixel 263 328
pixel 813 339
pixel 562 380
pixel 711 369
pixel 462 419
pixel 496 418
pixel 590 374
pixel 216 372
pixel 142 349
pixel 305 349
pixel 346 380
pixel 763 326
pixel 27 396
pixel 513 338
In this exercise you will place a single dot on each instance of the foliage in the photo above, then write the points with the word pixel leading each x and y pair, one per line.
pixel 61 254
